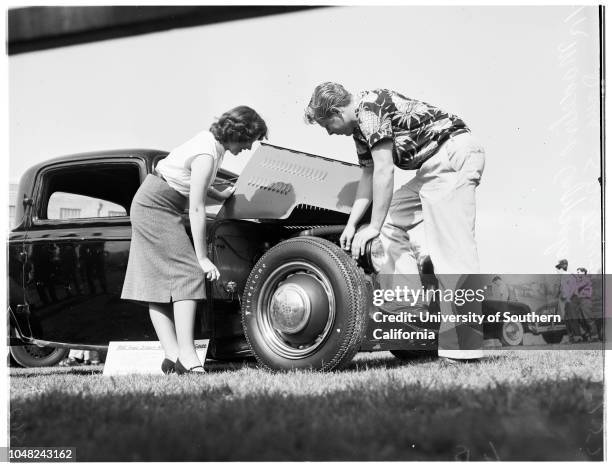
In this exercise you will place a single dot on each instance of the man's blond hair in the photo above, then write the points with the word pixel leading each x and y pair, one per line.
pixel 326 97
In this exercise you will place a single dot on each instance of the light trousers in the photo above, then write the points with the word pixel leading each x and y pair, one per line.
pixel 441 196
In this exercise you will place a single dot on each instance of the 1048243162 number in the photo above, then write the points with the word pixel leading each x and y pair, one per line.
pixel 42 454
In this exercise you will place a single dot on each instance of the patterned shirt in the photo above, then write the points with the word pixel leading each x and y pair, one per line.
pixel 414 127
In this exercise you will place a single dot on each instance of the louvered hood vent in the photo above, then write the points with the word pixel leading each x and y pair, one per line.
pixel 278 183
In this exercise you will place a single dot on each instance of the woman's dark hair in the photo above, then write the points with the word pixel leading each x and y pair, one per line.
pixel 240 124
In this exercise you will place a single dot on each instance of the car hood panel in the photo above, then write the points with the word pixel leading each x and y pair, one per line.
pixel 277 180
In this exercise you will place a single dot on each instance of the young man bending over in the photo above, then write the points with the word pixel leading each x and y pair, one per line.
pixel 391 130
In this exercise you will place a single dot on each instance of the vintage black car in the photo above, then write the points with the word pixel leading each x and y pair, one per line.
pixel 287 295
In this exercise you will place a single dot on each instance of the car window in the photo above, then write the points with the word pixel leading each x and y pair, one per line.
pixel 88 190
pixel 64 205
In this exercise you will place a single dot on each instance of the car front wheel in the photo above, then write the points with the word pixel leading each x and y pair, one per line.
pixel 305 306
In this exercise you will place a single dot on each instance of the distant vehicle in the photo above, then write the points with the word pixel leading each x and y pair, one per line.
pixel 551 332
pixel 513 333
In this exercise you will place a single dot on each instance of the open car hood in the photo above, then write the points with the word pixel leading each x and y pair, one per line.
pixel 278 183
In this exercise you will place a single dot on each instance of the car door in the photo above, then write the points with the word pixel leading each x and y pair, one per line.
pixel 77 248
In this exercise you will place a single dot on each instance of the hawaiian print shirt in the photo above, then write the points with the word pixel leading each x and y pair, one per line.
pixel 415 128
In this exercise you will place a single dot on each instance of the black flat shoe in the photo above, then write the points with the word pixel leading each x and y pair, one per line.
pixel 181 369
pixel 167 366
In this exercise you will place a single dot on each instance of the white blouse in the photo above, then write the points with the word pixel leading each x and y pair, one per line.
pixel 176 167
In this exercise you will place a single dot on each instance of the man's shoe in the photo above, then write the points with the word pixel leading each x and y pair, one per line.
pixel 448 360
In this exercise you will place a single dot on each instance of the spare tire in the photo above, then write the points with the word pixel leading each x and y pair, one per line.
pixel 305 306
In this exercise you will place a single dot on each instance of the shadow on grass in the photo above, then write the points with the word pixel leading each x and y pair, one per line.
pixel 389 420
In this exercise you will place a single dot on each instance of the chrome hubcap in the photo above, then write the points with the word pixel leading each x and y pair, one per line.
pixel 290 308
pixel 296 309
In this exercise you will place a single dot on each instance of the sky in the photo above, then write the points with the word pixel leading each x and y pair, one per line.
pixel 523 78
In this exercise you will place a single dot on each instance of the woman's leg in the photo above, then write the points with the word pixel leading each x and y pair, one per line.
pixel 184 319
pixel 161 316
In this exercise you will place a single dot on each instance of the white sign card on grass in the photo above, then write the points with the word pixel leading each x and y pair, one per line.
pixel 141 357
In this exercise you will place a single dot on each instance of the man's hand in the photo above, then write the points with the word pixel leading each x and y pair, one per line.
pixel 361 239
pixel 347 236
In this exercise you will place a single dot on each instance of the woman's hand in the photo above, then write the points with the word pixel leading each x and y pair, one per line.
pixel 210 270
pixel 227 193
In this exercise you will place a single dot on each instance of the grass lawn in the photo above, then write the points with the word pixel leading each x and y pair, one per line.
pixel 513 405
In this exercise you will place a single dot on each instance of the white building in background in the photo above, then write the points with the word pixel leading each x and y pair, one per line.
pixel 72 206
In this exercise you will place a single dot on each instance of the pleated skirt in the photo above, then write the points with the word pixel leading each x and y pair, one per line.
pixel 162 266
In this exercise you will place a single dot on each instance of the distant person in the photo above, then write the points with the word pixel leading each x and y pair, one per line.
pixel 81 357
pixel 584 293
pixel 572 314
pixel 500 290
pixel 563 286
pixel 164 269
pixel 75 358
